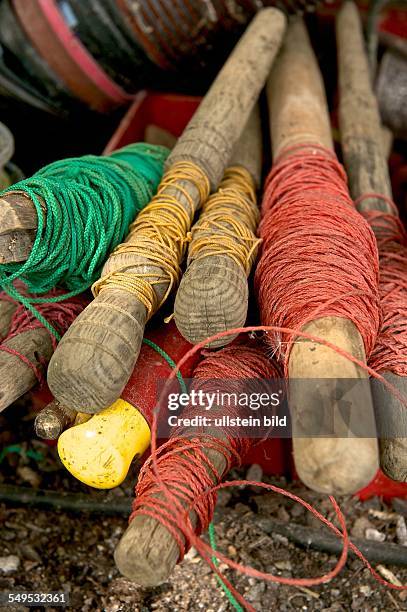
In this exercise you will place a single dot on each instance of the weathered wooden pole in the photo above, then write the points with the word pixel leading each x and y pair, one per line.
pixel 17 376
pixel 341 463
pixel 52 420
pixel 95 358
pixel 213 294
pixel 18 225
pixel 367 170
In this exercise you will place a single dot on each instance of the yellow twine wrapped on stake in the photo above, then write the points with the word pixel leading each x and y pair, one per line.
pixel 213 293
pixel 159 235
pixel 228 221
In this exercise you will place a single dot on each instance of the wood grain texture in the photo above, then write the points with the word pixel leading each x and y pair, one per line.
pixel 95 358
pixel 156 135
pixel 298 109
pixel 248 150
pixel 7 310
pixel 367 169
pixel 211 135
pixel 18 224
pixel 53 420
pixel 391 86
pixel 16 377
pixel 147 552
pixel 391 416
pixel 342 463
pixel 360 125
pixel 213 294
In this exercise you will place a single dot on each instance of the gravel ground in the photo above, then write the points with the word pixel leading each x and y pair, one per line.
pixel 54 550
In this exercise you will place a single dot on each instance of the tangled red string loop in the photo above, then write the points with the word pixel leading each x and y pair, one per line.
pixel 389 353
pixel 319 256
pixel 60 315
pixel 173 505
pixel 377 196
pixel 187 464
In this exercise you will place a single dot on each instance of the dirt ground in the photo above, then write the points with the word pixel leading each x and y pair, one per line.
pixel 73 552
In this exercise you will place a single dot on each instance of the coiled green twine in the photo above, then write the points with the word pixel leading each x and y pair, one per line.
pixel 90 203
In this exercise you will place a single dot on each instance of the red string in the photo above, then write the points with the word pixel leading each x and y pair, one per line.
pixel 60 315
pixel 183 462
pixel 319 256
pixel 187 529
pixel 390 351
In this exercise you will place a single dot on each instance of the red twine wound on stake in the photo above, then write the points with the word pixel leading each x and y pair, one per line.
pixel 202 547
pixel 183 462
pixel 319 256
pixel 390 352
pixel 60 315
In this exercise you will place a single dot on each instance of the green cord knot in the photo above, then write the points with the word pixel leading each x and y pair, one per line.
pixel 90 202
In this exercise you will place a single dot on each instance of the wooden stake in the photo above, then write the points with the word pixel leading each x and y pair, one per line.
pixel 95 358
pixel 367 169
pixel 17 377
pixel 7 310
pixel 18 224
pixel 147 552
pixel 53 420
pixel 213 294
pixel 391 87
pixel 342 463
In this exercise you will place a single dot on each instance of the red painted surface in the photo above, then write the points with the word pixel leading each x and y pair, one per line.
pixel 383 487
pixel 168 111
pixel 79 54
pixel 394 21
pixel 143 388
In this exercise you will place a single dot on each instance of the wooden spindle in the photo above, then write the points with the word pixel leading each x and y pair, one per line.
pixel 16 376
pixel 213 294
pixel 341 463
pixel 95 358
pixel 367 169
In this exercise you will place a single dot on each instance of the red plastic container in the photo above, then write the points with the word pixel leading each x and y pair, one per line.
pixel 170 112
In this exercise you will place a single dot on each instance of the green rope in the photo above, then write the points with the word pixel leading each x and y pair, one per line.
pixel 16 448
pixel 90 203
pixel 168 359
pixel 211 529
pixel 212 541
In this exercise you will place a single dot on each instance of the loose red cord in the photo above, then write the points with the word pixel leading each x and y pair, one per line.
pixel 60 315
